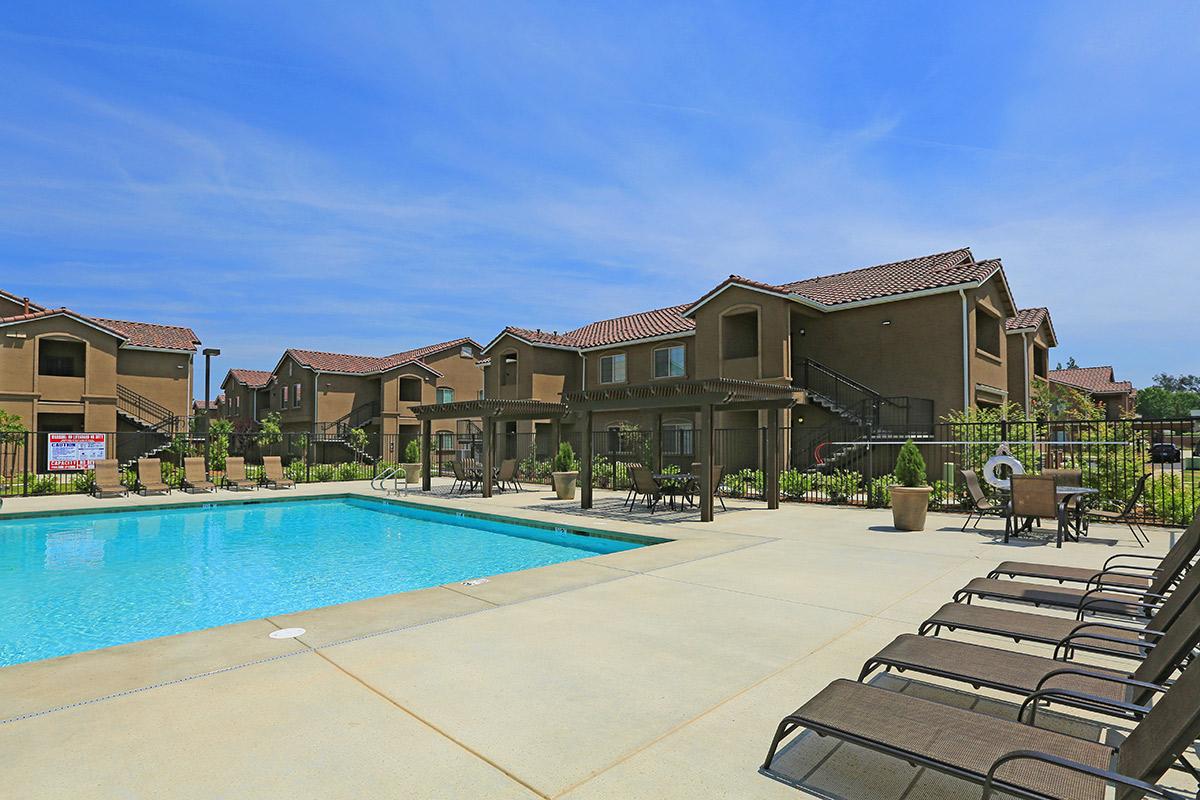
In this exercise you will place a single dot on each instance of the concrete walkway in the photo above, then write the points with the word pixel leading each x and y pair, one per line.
pixel 653 673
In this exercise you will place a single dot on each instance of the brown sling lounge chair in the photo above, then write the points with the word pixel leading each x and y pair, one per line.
pixel 1125 515
pixel 194 477
pixel 1037 678
pixel 108 480
pixel 150 480
pixel 273 474
pixel 506 476
pixel 235 474
pixel 981 505
pixel 1114 572
pixel 1068 634
pixel 463 481
pixel 1000 754
pixel 644 487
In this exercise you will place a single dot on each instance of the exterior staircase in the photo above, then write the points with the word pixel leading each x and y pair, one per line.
pixel 338 431
pixel 157 426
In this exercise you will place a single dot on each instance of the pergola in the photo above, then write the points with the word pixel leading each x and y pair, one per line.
pixel 706 396
pixel 490 412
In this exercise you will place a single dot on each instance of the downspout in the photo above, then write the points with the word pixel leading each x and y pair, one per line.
pixel 966 361
pixel 316 399
pixel 583 372
pixel 1028 377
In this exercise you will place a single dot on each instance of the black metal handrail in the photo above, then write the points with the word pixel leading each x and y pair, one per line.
pixel 356 417
pixel 861 404
pixel 154 415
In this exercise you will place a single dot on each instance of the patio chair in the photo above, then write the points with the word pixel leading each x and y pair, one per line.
pixel 1114 572
pixel 1002 755
pixel 461 478
pixel 149 476
pixel 194 476
pixel 1066 633
pixel 717 476
pixel 273 477
pixel 629 466
pixel 1038 679
pixel 644 488
pixel 980 504
pixel 108 480
pixel 235 474
pixel 506 476
pixel 1125 515
pixel 1033 496
pixel 1073 505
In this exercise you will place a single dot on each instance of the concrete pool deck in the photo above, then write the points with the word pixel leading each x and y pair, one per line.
pixel 658 672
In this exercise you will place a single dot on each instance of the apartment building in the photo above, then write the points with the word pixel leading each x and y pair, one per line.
pixel 1119 398
pixel 893 344
pixel 1030 335
pixel 327 394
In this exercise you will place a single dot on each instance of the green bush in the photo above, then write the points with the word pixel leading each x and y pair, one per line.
pixel 412 452
pixel 794 483
pixel 564 459
pixel 346 472
pixel 322 472
pixel 43 484
pixel 910 466
pixel 172 475
pixel 840 485
pixel 296 471
pixel 534 468
pixel 1171 500
pixel 129 478
pixel 879 491
pixel 83 482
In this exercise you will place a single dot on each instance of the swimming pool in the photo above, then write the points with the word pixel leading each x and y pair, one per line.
pixel 80 582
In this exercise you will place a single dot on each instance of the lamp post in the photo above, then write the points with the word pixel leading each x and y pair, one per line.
pixel 209 352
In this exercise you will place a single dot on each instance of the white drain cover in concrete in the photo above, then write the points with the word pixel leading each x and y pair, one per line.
pixel 286 633
pixel 475 582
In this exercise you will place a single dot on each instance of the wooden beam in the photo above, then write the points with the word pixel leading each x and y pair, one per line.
pixel 489 458
pixel 772 476
pixel 707 439
pixel 585 458
pixel 426 455
pixel 658 444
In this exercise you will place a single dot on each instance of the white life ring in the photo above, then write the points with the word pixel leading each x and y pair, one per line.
pixel 993 463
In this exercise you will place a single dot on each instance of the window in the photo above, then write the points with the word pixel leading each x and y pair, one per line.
pixel 283 396
pixel 445 440
pixel 669 362
pixel 445 395
pixel 508 369
pixel 410 390
pixel 1041 358
pixel 466 351
pixel 677 438
pixel 987 331
pixel 739 335
pixel 612 368
pixel 61 358
pixel 296 395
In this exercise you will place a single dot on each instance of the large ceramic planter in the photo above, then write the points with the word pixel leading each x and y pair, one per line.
pixel 564 484
pixel 412 472
pixel 909 505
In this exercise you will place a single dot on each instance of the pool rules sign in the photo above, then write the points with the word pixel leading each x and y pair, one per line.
pixel 72 452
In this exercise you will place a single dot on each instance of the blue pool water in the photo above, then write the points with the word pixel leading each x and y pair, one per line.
pixel 72 583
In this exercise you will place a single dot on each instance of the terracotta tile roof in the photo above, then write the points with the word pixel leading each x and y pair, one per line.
pixel 1097 380
pixel 1026 318
pixel 366 365
pixel 899 277
pixel 149 334
pixel 252 378
pixel 21 301
pixel 50 312
pixel 629 328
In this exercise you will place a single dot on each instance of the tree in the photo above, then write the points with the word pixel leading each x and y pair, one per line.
pixel 12 436
pixel 218 443
pixel 270 430
pixel 910 466
pixel 1157 402
pixel 1177 383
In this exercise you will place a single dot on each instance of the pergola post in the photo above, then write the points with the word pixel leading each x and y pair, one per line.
pixel 772 476
pixel 426 455
pixel 555 436
pixel 585 457
pixel 489 458
pixel 706 463
pixel 658 447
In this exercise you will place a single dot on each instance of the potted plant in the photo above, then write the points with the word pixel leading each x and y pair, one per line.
pixel 565 472
pixel 910 495
pixel 412 461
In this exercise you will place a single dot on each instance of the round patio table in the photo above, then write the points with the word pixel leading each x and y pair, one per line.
pixel 673 484
pixel 1065 494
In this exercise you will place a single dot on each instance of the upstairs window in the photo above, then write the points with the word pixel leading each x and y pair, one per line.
pixel 988 332
pixel 296 395
pixel 466 351
pixel 445 395
pixel 1041 361
pixel 669 362
pixel 739 335
pixel 508 369
pixel 61 358
pixel 612 368
pixel 410 390
pixel 283 396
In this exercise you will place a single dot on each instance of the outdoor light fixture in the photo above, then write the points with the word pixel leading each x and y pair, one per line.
pixel 887 322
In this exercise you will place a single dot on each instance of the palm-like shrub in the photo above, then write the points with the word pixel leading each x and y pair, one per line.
pixel 564 459
pixel 910 466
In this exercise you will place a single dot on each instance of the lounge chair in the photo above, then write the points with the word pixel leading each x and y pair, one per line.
pixel 462 479
pixel 644 488
pixel 506 476
pixel 1000 754
pixel 273 474
pixel 1034 497
pixel 194 476
pixel 235 474
pixel 1038 678
pixel 629 465
pixel 1125 515
pixel 108 480
pixel 1065 633
pixel 981 504
pixel 149 472
pixel 1114 573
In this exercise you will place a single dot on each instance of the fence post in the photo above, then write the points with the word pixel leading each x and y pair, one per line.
pixel 870 469
pixel 25 473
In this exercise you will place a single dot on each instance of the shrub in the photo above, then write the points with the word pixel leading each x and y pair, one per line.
pixel 535 468
pixel 564 459
pixel 83 482
pixel 1170 500
pixel 412 451
pixel 218 443
pixel 129 478
pixel 910 466
pixel 795 483
pixel 172 475
pixel 322 472
pixel 879 491
pixel 346 472
pixel 840 485
pixel 296 471
pixel 43 484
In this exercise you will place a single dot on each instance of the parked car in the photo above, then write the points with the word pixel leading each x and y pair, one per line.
pixel 1165 453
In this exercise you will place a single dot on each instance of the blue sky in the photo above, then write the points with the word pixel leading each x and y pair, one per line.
pixel 348 176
